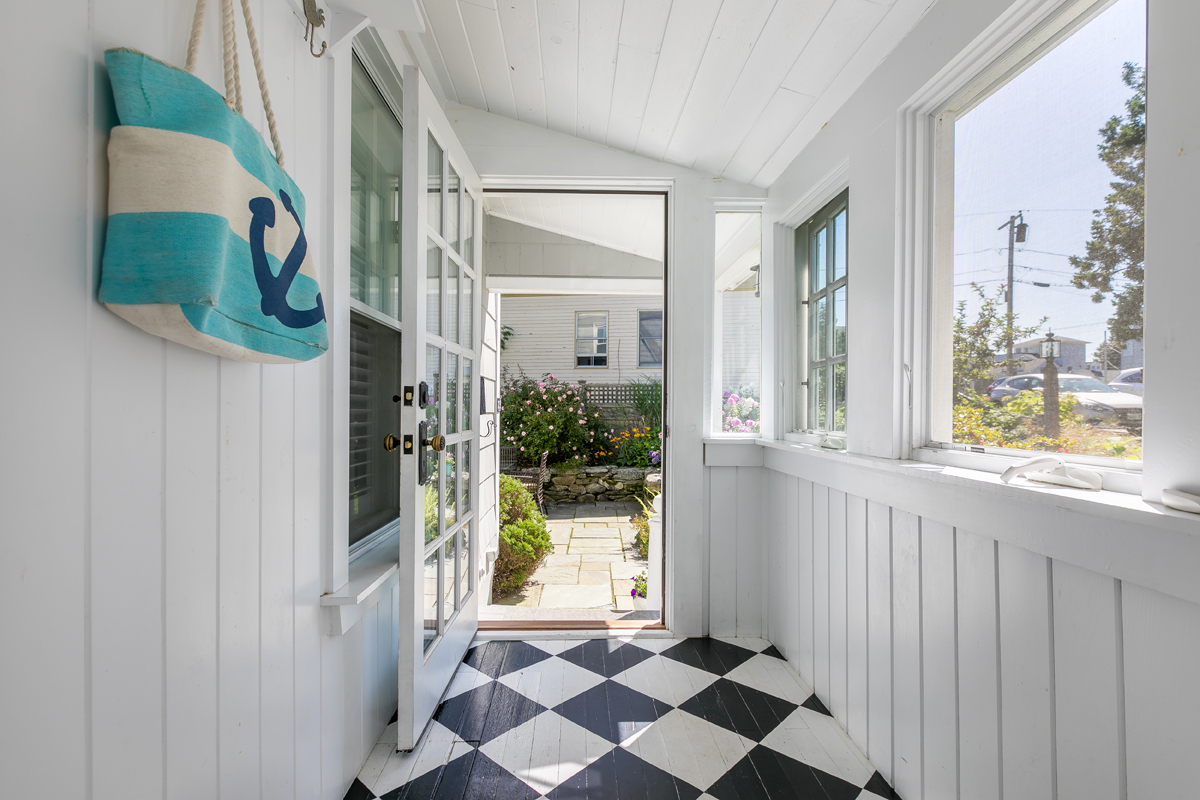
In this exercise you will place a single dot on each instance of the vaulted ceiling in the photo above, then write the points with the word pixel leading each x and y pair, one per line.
pixel 730 87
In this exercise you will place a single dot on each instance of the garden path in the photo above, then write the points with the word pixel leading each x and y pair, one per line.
pixel 591 569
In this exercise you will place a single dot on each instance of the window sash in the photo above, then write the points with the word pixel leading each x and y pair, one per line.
pixel 822 278
pixel 650 340
pixel 591 339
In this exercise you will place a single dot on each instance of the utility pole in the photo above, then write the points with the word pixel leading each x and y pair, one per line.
pixel 1050 351
pixel 1016 234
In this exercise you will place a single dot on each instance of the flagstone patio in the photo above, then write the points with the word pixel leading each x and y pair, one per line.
pixel 590 573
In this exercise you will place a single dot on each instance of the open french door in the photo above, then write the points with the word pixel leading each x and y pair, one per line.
pixel 440 243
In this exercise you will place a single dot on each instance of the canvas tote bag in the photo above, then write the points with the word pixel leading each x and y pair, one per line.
pixel 205 242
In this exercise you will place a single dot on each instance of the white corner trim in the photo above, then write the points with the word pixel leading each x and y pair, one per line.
pixel 818 195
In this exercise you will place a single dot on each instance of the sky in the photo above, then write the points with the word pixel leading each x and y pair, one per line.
pixel 1032 147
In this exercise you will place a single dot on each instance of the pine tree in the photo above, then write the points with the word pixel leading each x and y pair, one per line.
pixel 1114 265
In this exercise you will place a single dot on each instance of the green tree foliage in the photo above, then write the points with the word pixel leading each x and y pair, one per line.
pixel 1115 262
pixel 524 540
pixel 978 342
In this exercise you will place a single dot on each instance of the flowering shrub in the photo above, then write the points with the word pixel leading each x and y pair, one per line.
pixel 524 540
pixel 636 447
pixel 639 586
pixel 739 410
pixel 548 414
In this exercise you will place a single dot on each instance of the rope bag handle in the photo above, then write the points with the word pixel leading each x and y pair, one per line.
pixel 233 84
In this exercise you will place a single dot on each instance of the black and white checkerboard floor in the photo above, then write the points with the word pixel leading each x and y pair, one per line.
pixel 652 718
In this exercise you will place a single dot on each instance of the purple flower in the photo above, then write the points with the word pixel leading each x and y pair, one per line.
pixel 733 398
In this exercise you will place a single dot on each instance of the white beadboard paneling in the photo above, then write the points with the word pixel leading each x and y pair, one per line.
pixel 906 654
pixel 1162 696
pixel 978 667
pixel 456 52
pixel 790 615
pixel 642 28
pixel 856 620
pixel 939 649
pixel 1086 695
pixel 782 114
pixel 1025 668
pixel 748 551
pixel 879 637
pixel 487 44
pixel 599 29
pixel 820 590
pixel 804 578
pixel 723 558
pixel 558 24
pixel 837 604
pixel 519 23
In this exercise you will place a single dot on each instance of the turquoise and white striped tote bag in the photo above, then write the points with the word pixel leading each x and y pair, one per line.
pixel 205 243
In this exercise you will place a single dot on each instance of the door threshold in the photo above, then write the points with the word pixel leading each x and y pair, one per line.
pixel 568 625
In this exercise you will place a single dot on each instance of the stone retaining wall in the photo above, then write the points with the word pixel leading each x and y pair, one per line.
pixel 569 484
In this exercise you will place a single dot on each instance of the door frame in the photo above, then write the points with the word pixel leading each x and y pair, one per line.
pixel 664 187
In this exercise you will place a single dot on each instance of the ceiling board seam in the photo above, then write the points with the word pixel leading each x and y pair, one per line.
pixel 741 69
pixel 438 47
pixel 657 60
pixel 508 75
pixel 470 49
pixel 537 37
pixel 786 72
pixel 612 89
pixel 578 77
pixel 691 85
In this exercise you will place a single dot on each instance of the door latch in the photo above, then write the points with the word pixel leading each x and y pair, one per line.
pixel 436 443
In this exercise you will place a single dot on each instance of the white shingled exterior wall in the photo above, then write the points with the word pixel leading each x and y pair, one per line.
pixel 741 340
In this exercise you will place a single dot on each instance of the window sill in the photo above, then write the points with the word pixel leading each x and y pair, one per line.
pixel 1109 532
pixel 370 574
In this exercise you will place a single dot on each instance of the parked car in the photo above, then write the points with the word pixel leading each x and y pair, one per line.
pixel 1096 402
pixel 1128 381
pixel 996 384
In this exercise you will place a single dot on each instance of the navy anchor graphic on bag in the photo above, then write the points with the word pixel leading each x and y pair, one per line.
pixel 274 289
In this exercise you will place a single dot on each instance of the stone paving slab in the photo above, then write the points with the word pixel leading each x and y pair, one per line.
pixel 561 561
pixel 560 536
pixel 594 577
pixel 608 547
pixel 577 596
pixel 556 575
pixel 528 597
pixel 600 560
pixel 628 569
pixel 597 533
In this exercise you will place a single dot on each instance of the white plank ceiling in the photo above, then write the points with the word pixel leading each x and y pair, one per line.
pixel 630 223
pixel 730 87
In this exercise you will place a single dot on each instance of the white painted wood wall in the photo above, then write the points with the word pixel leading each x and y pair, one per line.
pixel 972 645
pixel 543 339
pixel 166 514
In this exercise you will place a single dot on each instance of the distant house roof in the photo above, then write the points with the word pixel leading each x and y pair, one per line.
pixel 1040 339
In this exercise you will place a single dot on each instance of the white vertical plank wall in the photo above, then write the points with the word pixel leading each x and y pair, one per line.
pixel 196 488
pixel 964 666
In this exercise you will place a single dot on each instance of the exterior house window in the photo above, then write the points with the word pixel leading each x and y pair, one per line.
pixel 822 269
pixel 737 323
pixel 591 338
pixel 375 167
pixel 650 338
pixel 1039 266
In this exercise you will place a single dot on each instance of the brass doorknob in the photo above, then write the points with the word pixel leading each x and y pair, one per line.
pixel 390 442
pixel 437 443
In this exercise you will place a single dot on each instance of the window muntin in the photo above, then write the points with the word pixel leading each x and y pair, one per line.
pixel 376 158
pixel 1073 223
pixel 738 321
pixel 591 339
pixel 650 339
pixel 822 272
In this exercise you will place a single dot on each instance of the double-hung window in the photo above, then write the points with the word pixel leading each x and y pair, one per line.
pixel 822 261
pixel 650 339
pixel 591 339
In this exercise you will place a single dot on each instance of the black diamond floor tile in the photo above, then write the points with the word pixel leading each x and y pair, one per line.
pixel 620 775
pixel 607 657
pixel 612 710
pixel 814 704
pixel 771 651
pixel 490 781
pixel 768 775
pixel 877 785
pixel 711 655
pixel 359 791
pixel 496 659
pixel 485 712
pixel 739 708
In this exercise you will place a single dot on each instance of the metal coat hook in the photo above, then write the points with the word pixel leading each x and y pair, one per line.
pixel 315 18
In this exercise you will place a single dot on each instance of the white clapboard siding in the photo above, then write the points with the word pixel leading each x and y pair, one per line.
pixel 543 339
pixel 741 341
pixel 966 667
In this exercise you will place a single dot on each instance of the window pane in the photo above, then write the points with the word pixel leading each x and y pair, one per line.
pixel 451 300
pixel 433 288
pixel 1062 201
pixel 452 209
pixel 374 472
pixel 451 393
pixel 468 313
pixel 839 246
pixel 839 397
pixel 649 338
pixel 376 155
pixel 464 563
pixel 740 313
pixel 468 228
pixel 591 326
pixel 431 598
pixel 820 328
pixel 450 546
pixel 434 186
pixel 450 488
pixel 819 257
pixel 839 322
pixel 467 386
pixel 433 378
pixel 819 392
pixel 465 477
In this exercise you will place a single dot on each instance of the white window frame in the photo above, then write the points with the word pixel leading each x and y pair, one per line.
pixel 640 312
pixel 925 252
pixel 577 339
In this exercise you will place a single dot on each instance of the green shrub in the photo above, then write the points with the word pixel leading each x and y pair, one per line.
pixel 524 540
